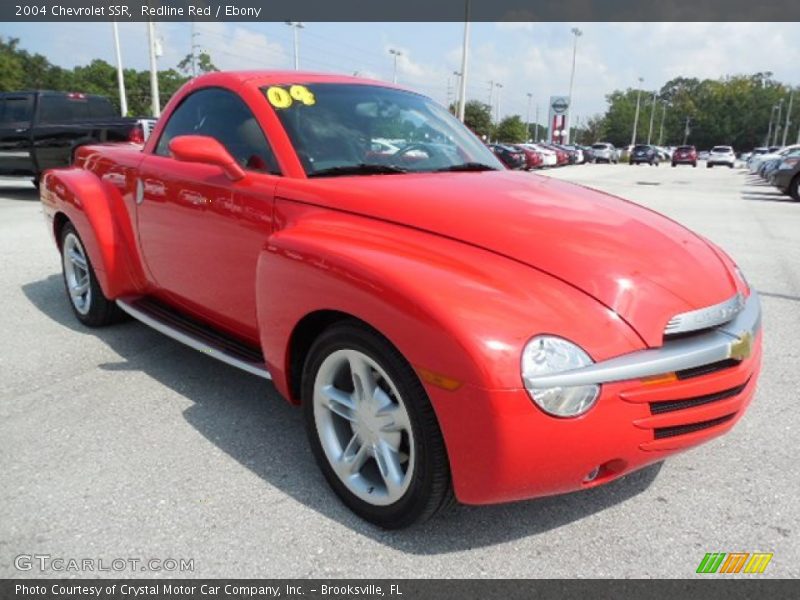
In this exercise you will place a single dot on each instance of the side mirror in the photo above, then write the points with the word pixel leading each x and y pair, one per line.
pixel 206 150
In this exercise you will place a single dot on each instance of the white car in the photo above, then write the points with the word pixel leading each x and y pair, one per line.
pixel 549 158
pixel 758 159
pixel 721 155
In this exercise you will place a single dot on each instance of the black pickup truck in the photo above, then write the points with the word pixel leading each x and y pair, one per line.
pixel 40 130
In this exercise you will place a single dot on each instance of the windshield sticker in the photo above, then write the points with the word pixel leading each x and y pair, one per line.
pixel 280 97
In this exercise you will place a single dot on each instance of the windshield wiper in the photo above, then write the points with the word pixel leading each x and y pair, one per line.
pixel 468 166
pixel 359 169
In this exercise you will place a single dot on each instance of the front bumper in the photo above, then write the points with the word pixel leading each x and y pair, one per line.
pixel 502 447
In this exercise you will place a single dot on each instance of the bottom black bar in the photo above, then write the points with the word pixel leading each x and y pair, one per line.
pixel 706 587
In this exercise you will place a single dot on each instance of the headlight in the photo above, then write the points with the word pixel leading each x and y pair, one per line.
pixel 545 355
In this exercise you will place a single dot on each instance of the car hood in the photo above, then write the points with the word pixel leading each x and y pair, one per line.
pixel 640 264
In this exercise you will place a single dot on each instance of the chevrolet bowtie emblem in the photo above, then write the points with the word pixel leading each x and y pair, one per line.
pixel 742 347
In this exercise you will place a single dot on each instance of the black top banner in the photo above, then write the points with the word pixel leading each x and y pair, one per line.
pixel 404 10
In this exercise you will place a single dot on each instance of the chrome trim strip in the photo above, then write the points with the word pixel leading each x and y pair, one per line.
pixel 193 342
pixel 686 353
pixel 707 317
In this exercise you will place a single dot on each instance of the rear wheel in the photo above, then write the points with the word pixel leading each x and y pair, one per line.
pixel 372 429
pixel 86 298
pixel 694 164
pixel 709 165
pixel 673 164
pixel 794 188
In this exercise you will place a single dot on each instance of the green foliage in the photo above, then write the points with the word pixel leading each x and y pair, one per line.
pixel 512 130
pixel 478 117
pixel 732 111
pixel 20 70
pixel 202 63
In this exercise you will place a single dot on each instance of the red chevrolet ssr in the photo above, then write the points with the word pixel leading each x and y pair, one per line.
pixel 449 327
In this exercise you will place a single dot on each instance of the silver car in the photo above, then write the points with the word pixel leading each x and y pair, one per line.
pixel 604 152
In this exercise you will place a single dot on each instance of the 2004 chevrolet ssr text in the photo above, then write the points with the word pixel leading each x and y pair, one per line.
pixel 450 328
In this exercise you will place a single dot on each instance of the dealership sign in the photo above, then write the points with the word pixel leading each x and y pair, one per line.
pixel 558 119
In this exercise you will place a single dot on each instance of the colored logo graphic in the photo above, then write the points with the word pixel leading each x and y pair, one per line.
pixel 734 562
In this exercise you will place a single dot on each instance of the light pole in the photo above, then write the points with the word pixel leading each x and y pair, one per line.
pixel 769 130
pixel 577 33
pixel 778 123
pixel 686 130
pixel 636 116
pixel 499 87
pixel 528 118
pixel 296 26
pixel 154 97
pixel 788 120
pixel 462 92
pixel 663 115
pixel 395 53
pixel 652 114
pixel 458 89
pixel 123 98
pixel 536 126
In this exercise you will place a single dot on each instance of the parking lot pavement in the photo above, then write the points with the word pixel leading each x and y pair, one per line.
pixel 121 443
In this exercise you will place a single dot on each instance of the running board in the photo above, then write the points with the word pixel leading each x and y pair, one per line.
pixel 195 334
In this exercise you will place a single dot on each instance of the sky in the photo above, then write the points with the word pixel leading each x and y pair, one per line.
pixel 524 58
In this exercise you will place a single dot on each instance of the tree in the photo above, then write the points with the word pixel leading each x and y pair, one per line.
pixel 592 130
pixel 478 117
pixel 202 63
pixel 512 129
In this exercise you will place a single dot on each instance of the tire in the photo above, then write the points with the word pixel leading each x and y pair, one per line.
pixel 709 165
pixel 337 425
pixel 730 165
pixel 794 188
pixel 673 165
pixel 89 305
pixel 694 164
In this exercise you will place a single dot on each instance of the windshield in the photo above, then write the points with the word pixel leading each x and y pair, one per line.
pixel 719 149
pixel 347 129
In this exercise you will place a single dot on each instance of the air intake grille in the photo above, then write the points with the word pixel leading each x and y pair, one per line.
pixel 668 432
pixel 658 408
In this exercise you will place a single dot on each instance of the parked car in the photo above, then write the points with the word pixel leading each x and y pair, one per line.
pixel 721 155
pixel 533 159
pixel 787 176
pixel 549 157
pixel 562 157
pixel 759 155
pixel 434 317
pixel 684 155
pixel 40 130
pixel 575 153
pixel 511 157
pixel 604 152
pixel 773 153
pixel 644 153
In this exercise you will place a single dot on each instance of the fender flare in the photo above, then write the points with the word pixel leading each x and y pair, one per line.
pixel 97 211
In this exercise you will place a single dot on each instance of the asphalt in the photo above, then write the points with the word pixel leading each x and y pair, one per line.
pixel 120 443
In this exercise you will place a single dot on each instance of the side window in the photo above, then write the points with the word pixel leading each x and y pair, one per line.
pixel 62 108
pixel 101 108
pixel 16 110
pixel 222 115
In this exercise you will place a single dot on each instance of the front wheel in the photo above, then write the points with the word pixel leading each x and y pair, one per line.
pixel 372 429
pixel 86 298
pixel 709 165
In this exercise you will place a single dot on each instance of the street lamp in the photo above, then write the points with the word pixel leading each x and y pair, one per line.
pixel 528 117
pixel 577 33
pixel 395 53
pixel 652 114
pixel 296 26
pixel 636 116
pixel 499 87
pixel 458 88
pixel 778 122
